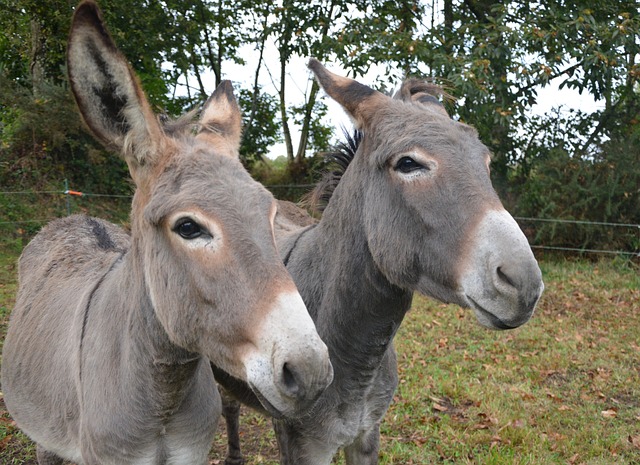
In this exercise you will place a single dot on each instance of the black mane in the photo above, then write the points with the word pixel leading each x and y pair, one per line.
pixel 337 161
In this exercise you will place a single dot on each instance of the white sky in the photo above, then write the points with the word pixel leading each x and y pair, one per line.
pixel 299 84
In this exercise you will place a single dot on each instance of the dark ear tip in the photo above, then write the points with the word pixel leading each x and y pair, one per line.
pixel 314 65
pixel 87 10
pixel 225 88
pixel 226 85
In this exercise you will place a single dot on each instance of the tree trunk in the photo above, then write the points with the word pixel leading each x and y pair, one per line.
pixel 256 86
pixel 310 103
pixel 448 26
pixel 35 66
pixel 304 133
pixel 283 110
pixel 215 60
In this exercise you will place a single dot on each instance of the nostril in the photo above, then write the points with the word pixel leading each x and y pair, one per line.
pixel 503 277
pixel 289 381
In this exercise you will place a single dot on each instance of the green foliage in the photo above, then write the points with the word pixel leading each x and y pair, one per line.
pixel 496 55
pixel 42 142
pixel 598 188
pixel 260 125
pixel 319 134
pixel 492 56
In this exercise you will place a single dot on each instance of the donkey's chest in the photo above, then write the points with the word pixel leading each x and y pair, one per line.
pixel 151 425
pixel 361 409
pixel 177 443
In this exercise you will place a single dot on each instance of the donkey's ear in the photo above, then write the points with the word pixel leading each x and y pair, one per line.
pixel 221 121
pixel 107 91
pixel 421 93
pixel 359 101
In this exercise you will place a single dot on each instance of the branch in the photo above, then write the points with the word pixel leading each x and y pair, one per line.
pixel 551 77
pixel 480 16
pixel 256 85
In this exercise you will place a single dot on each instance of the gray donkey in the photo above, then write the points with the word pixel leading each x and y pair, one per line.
pixel 414 210
pixel 106 359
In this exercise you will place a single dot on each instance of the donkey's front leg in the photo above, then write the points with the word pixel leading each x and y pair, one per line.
pixel 364 451
pixel 231 414
pixel 45 457
pixel 296 448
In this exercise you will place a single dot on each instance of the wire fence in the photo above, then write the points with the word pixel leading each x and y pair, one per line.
pixel 66 202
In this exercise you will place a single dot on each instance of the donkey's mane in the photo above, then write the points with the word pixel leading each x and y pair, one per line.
pixel 337 161
pixel 184 125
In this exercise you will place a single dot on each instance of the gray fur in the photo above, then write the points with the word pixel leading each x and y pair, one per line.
pixel 106 359
pixel 384 234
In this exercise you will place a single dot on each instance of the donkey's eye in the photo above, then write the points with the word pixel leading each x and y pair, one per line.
pixel 408 165
pixel 188 229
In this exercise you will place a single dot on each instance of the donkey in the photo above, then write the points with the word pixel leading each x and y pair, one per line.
pixel 106 359
pixel 413 211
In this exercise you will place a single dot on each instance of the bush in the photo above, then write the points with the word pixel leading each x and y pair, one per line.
pixel 605 188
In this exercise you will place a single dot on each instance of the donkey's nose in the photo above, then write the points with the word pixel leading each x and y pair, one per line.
pixel 518 280
pixel 289 381
pixel 303 380
pixel 290 365
pixel 502 281
pixel 503 277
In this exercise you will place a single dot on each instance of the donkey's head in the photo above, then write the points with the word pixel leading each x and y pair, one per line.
pixel 202 229
pixel 432 219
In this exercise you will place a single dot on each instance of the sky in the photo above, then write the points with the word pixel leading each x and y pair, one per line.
pixel 299 83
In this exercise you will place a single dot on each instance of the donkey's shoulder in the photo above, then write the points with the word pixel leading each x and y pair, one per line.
pixel 291 217
pixel 83 232
pixel 74 244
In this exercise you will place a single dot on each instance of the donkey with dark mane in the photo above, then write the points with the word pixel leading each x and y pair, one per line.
pixel 107 355
pixel 414 211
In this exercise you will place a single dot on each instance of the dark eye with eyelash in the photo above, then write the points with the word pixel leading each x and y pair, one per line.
pixel 408 165
pixel 187 228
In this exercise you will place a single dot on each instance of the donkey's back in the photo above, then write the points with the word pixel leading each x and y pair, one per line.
pixel 58 272
pixel 70 247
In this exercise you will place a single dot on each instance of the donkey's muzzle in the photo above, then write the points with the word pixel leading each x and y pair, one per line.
pixel 303 384
pixel 502 281
pixel 290 367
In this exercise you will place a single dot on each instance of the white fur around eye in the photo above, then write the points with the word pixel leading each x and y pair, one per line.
pixel 428 164
pixel 211 238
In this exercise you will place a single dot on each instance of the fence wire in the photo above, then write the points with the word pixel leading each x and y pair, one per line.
pixel 68 193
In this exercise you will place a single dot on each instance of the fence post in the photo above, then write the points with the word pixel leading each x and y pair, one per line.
pixel 66 192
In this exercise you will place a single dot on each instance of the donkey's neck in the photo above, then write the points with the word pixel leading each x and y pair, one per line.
pixel 159 370
pixel 356 309
pixel 144 326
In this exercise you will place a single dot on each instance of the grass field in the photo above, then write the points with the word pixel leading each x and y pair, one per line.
pixel 563 389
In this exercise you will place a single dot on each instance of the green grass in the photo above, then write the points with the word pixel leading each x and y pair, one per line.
pixel 562 389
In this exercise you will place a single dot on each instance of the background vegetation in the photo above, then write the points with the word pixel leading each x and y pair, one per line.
pixel 561 390
pixel 493 57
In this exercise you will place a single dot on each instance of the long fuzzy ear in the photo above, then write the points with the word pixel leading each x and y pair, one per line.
pixel 107 91
pixel 221 121
pixel 359 101
pixel 422 93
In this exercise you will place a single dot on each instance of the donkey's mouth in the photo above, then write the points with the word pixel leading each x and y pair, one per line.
pixel 494 321
pixel 268 406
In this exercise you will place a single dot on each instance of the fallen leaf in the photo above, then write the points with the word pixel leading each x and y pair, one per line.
pixel 439 408
pixel 635 441
pixel 517 423
pixel 5 441
pixel 610 413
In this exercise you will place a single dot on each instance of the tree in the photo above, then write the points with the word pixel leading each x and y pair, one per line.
pixel 257 138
